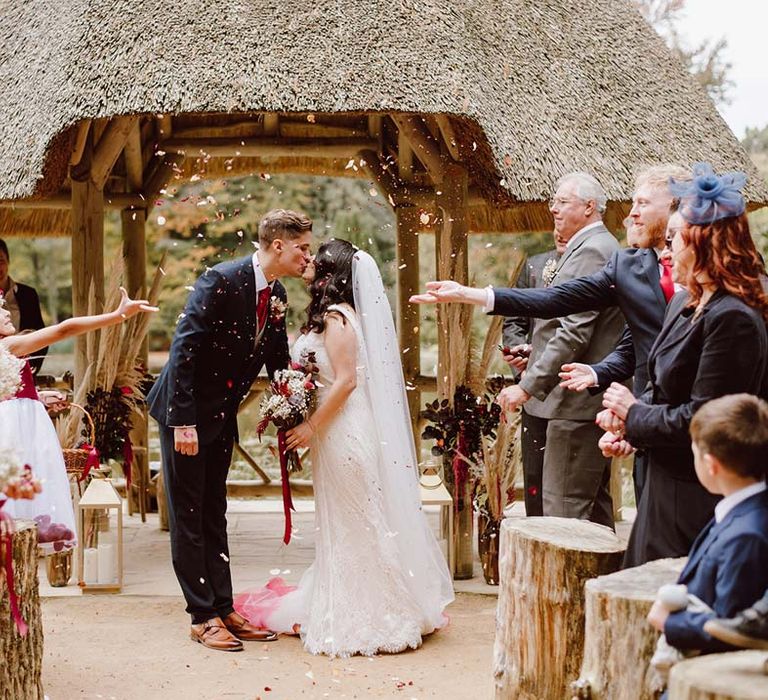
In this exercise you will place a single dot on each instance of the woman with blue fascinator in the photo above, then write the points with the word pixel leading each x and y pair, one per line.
pixel 713 342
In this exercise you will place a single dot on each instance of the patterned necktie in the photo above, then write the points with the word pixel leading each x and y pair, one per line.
pixel 262 305
pixel 667 285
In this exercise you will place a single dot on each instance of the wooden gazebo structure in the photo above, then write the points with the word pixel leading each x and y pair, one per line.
pixel 463 114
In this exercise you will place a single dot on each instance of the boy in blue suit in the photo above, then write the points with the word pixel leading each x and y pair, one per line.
pixel 727 567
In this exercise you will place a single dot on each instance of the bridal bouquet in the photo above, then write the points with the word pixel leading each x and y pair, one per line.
pixel 10 374
pixel 290 399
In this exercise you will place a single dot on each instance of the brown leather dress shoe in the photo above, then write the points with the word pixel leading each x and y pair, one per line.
pixel 245 631
pixel 214 635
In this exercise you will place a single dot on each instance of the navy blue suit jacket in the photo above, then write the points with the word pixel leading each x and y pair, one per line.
pixel 215 356
pixel 629 280
pixel 727 569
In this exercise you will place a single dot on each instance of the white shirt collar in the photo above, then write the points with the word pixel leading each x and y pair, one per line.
pixel 261 279
pixel 727 504
pixel 580 233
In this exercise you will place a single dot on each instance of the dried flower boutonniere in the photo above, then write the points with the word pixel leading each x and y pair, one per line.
pixel 277 309
pixel 548 273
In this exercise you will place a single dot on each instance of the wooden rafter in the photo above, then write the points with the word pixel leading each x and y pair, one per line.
pixel 424 146
pixel 269 147
pixel 109 147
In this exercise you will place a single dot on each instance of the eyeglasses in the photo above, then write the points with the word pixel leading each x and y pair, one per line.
pixel 557 202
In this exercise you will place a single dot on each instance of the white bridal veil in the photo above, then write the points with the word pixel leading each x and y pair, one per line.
pixel 428 576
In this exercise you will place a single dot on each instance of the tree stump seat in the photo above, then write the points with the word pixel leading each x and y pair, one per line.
pixel 618 641
pixel 737 675
pixel 21 658
pixel 544 564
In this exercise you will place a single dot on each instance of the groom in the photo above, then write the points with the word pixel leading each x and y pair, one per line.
pixel 233 325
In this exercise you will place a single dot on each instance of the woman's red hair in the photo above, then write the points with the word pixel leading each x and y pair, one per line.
pixel 725 252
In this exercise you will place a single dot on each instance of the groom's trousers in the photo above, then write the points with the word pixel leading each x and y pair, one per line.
pixel 196 490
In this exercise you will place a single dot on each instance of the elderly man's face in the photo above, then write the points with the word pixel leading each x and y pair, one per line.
pixel 571 213
pixel 649 214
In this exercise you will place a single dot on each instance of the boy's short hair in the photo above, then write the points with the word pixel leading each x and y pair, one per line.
pixel 734 430
pixel 283 223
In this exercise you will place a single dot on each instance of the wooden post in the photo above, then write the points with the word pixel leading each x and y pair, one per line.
pixel 407 259
pixel 616 630
pixel 21 658
pixel 738 675
pixel 544 564
pixel 135 260
pixel 87 250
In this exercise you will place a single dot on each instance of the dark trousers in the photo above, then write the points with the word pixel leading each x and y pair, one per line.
pixel 533 440
pixel 196 490
pixel 638 474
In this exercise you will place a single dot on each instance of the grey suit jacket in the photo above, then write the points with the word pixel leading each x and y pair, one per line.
pixel 583 337
pixel 517 329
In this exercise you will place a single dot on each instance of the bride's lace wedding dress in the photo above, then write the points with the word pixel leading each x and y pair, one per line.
pixel 379 581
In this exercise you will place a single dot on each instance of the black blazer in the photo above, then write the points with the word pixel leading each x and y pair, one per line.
pixel 31 318
pixel 215 355
pixel 723 351
pixel 629 280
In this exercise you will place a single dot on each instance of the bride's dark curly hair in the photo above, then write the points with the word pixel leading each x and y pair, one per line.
pixel 332 283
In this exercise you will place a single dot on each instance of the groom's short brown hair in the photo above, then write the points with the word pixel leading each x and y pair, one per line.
pixel 283 223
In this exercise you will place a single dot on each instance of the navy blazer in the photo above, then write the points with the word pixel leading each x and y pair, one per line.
pixel 723 351
pixel 727 569
pixel 30 318
pixel 629 280
pixel 215 355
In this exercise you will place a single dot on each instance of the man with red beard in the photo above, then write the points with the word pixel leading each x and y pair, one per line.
pixel 634 279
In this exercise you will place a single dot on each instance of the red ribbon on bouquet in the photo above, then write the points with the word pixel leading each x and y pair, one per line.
pixel 6 539
pixel 287 499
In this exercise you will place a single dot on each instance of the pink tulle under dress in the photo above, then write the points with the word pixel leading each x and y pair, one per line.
pixel 26 426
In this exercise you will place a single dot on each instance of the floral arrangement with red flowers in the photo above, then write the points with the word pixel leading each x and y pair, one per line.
pixel 290 399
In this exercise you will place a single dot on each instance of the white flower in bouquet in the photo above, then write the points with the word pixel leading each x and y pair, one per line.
pixel 11 467
pixel 10 374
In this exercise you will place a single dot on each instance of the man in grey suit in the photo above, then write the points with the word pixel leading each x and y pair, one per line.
pixel 576 475
pixel 517 332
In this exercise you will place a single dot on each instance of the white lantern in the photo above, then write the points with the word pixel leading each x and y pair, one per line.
pixel 100 533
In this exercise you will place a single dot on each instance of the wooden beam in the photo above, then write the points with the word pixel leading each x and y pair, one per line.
pixel 448 134
pixel 451 263
pixel 271 123
pixel 408 321
pixel 376 130
pixel 164 126
pixel 424 146
pixel 87 252
pixel 134 168
pixel 161 175
pixel 307 130
pixel 82 136
pixel 109 147
pixel 268 148
pixel 63 200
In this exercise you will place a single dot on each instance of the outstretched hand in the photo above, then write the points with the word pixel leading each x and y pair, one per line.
pixel 130 307
pixel 576 376
pixel 448 290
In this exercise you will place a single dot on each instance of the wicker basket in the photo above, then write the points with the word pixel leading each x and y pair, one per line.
pixel 75 458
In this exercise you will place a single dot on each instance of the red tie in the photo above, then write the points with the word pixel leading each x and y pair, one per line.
pixel 667 285
pixel 262 305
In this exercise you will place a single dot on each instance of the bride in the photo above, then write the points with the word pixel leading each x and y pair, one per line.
pixel 379 581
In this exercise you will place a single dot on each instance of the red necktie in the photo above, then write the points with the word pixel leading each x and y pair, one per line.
pixel 667 285
pixel 262 305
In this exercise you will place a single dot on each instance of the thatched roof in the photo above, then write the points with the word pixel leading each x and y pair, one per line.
pixel 536 88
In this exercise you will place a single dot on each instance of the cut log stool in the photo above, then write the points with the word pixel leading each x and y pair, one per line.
pixel 544 564
pixel 738 675
pixel 618 641
pixel 21 658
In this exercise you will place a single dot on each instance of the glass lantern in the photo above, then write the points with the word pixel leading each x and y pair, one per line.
pixel 100 530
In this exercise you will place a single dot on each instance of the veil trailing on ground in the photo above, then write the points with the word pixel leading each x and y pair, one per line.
pixel 428 576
